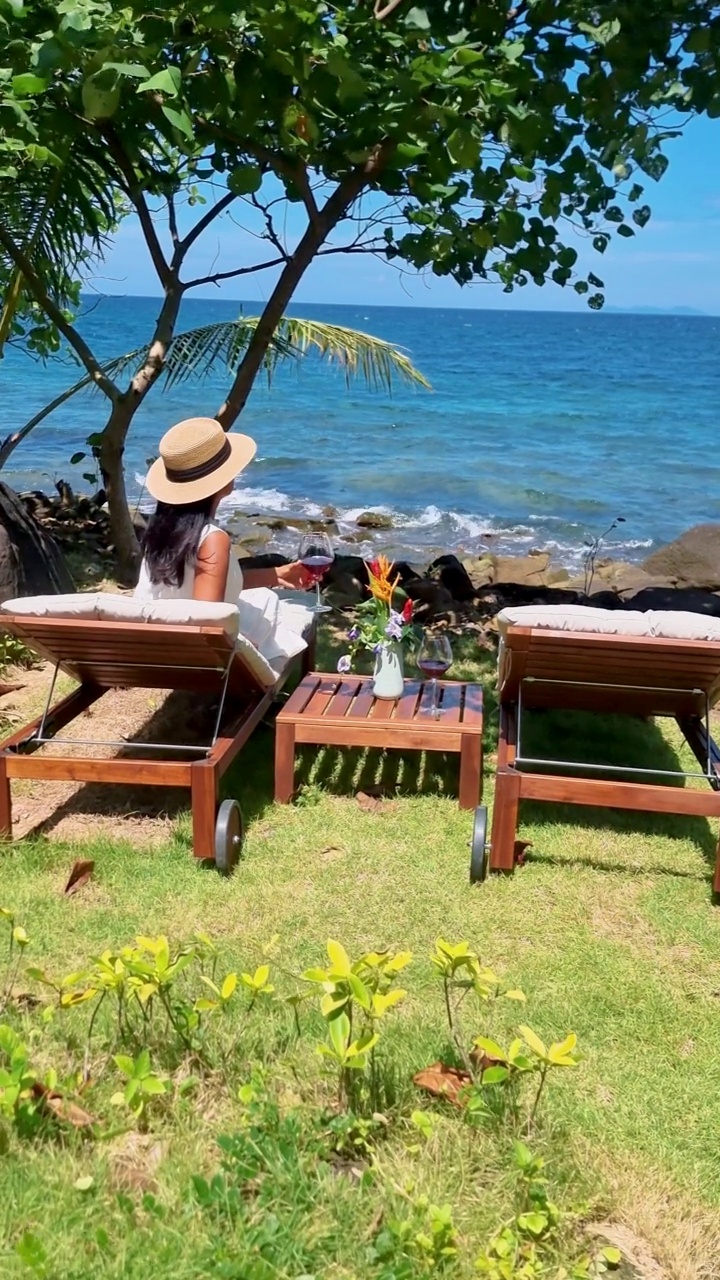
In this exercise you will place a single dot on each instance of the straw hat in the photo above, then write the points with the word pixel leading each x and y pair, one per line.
pixel 197 459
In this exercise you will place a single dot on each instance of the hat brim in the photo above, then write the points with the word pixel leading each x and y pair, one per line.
pixel 176 492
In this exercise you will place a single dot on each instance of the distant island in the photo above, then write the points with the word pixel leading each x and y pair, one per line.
pixel 655 311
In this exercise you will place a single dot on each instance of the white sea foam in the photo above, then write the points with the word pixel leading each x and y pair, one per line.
pixel 426 528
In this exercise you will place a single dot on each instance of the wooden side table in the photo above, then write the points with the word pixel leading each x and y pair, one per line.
pixel 342 712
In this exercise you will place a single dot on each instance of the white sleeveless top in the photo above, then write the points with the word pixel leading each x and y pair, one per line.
pixel 147 590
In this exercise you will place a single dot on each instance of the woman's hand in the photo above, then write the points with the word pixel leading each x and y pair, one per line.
pixel 295 576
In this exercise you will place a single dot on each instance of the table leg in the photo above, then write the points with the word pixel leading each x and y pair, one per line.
pixel 284 762
pixel 470 770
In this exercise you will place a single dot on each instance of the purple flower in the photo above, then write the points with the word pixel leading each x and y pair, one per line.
pixel 394 628
pixel 353 633
pixel 344 664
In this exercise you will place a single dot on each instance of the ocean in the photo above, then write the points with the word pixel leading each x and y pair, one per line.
pixel 541 427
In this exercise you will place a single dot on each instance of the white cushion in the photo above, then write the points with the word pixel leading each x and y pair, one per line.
pixel 108 607
pixel 79 605
pixel 668 624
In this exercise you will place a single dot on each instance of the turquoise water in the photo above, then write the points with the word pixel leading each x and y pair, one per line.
pixel 540 428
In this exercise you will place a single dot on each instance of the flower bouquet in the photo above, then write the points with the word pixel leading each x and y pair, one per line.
pixel 384 627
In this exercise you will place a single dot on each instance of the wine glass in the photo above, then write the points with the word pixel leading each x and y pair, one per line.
pixel 434 659
pixel 316 553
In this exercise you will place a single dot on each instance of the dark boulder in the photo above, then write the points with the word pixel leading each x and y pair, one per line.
pixel 454 577
pixel 688 599
pixel 31 562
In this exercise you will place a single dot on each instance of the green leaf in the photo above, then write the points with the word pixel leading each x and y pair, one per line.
pixel 533 1042
pixel 84 1183
pixel 464 148
pixel 339 959
pixel 179 120
pixel 153 1085
pixel 167 81
pixel 612 1256
pixel 534 1223
pixel 418 18
pixel 230 983
pixel 125 1064
pixel 339 1028
pixel 77 457
pixel 245 180
pixel 27 84
pixel 495 1075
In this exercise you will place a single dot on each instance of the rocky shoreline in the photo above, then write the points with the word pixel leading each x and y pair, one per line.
pixel 451 586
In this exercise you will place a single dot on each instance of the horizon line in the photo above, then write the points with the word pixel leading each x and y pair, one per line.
pixel 639 309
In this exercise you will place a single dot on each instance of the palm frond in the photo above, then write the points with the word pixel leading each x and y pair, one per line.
pixel 196 352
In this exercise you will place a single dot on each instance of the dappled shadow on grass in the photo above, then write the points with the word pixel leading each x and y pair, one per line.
pixel 348 770
pixel 589 739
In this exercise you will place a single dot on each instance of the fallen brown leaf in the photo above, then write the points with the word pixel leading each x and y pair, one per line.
pixel 373 803
pixel 62 1108
pixel 443 1082
pixel 79 876
pixel 9 688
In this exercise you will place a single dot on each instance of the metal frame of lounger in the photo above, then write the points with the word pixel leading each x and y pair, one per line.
pixel 607 674
pixel 103 655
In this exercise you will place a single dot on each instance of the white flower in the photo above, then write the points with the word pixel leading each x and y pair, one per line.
pixel 344 664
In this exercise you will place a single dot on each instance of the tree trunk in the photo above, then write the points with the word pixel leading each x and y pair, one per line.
pixel 110 458
pixel 318 229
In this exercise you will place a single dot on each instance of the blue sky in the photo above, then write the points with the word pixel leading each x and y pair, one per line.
pixel 673 262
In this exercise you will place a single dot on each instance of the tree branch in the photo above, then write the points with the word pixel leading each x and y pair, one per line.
pixel 270 233
pixel 54 313
pixel 239 271
pixel 172 221
pixel 203 223
pixel 139 203
pixel 316 232
pixel 382 12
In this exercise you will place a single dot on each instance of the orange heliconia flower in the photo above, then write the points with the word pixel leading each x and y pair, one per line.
pixel 379 575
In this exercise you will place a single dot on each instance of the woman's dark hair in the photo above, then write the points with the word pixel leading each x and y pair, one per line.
pixel 172 538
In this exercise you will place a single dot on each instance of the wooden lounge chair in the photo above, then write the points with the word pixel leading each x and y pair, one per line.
pixel 105 652
pixel 675 671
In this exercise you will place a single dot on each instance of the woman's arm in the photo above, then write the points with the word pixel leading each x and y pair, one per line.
pixel 212 567
pixel 290 576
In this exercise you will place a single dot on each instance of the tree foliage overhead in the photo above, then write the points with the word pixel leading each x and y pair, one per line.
pixel 490 125
pixel 472 138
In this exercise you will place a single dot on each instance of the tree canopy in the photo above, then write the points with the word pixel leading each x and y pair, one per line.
pixel 474 140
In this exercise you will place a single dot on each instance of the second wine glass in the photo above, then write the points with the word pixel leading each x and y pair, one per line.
pixel 434 660
pixel 316 553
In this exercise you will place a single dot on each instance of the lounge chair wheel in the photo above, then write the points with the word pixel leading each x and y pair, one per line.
pixel 480 850
pixel 228 836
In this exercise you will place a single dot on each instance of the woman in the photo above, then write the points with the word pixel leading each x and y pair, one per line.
pixel 186 556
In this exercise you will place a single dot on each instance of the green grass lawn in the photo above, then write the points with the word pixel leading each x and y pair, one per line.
pixel 610 931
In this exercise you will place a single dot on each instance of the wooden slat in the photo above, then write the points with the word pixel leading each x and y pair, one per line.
pixel 473 706
pixel 300 696
pixel 148 773
pixel 415 736
pixel 451 696
pixel 340 703
pixel 619 795
pixel 383 709
pixel 360 707
pixel 407 704
pixel 316 707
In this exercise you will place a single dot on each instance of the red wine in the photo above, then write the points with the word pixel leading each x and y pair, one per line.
pixel 317 564
pixel 433 667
